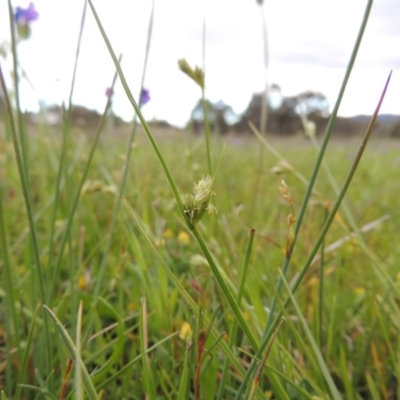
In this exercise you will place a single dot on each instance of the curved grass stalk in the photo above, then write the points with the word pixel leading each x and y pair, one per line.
pixel 137 110
pixel 127 156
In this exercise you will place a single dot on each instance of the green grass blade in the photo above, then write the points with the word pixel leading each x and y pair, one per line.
pixel 233 329
pixel 138 112
pixel 75 203
pixel 148 376
pixel 185 377
pixel 373 390
pixel 322 365
pixel 23 139
pixel 62 162
pixel 103 384
pixel 127 161
pixel 12 318
pixel 37 265
pixel 69 344
pixel 78 369
pixel 225 289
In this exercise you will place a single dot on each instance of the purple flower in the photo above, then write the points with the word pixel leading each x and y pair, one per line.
pixel 144 96
pixel 23 16
pixel 109 92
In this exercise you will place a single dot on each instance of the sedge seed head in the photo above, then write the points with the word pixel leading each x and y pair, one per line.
pixel 197 74
pixel 284 189
pixel 196 204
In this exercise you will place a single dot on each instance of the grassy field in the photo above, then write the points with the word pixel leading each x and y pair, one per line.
pixel 154 318
pixel 157 265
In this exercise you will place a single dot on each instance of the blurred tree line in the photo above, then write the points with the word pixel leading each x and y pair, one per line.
pixel 286 116
pixel 284 112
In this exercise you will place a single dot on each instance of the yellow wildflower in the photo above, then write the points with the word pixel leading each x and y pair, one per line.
pixel 183 237
pixel 359 290
pixel 168 234
pixel 186 331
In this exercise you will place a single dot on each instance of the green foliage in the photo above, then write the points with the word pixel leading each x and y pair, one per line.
pixel 351 322
pixel 165 301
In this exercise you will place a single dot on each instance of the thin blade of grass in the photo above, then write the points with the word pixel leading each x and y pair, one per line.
pixel 143 333
pixel 137 111
pixel 118 345
pixel 23 139
pixel 78 369
pixel 103 384
pixel 62 162
pixel 25 359
pixel 185 377
pixel 256 382
pixel 36 268
pixel 233 328
pixel 11 317
pixel 69 344
pixel 317 354
pixel 75 203
pixel 126 167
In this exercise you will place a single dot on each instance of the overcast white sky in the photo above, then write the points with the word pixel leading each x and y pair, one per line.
pixel 310 42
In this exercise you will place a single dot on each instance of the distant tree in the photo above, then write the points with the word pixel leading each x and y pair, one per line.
pixel 392 128
pixel 285 111
pixel 220 116
pixel 312 104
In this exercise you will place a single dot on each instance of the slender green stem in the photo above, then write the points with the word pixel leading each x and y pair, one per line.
pixel 233 328
pixel 127 156
pixel 12 321
pixel 136 107
pixel 321 288
pixel 21 127
pixel 78 196
pixel 37 266
pixel 69 344
pixel 66 128
pixel 317 353
pixel 203 99
pixel 225 289
pixel 148 378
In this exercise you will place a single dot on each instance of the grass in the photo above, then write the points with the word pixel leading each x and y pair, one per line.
pixel 358 325
pixel 116 285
